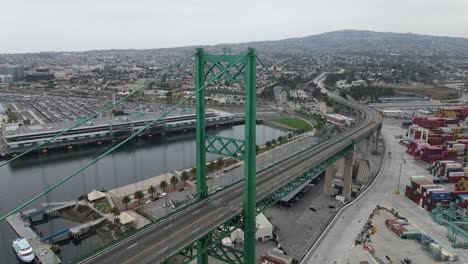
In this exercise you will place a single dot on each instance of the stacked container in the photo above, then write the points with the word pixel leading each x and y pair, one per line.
pixel 438 168
pixel 462 201
pixel 403 230
pixel 426 194
pixel 415 146
pixel 429 122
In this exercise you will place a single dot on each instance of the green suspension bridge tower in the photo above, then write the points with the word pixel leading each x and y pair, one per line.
pixel 240 69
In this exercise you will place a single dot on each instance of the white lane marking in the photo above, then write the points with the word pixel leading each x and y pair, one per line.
pixel 195 212
pixel 164 249
pixel 129 247
pixel 195 230
pixel 167 227
pixel 219 216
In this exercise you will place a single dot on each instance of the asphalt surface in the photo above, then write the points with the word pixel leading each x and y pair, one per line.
pixel 170 236
pixel 338 242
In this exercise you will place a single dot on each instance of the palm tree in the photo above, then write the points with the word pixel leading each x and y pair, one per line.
pixel 174 181
pixel 152 191
pixel 139 195
pixel 193 172
pixel 115 211
pixel 126 200
pixel 184 177
pixel 163 185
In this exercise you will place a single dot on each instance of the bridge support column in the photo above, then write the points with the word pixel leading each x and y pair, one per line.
pixel 377 139
pixel 327 187
pixel 348 175
pixel 364 170
pixel 367 147
pixel 340 164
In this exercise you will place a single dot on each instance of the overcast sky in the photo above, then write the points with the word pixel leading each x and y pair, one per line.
pixel 75 25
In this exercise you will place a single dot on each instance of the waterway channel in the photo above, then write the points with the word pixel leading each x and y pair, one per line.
pixel 136 161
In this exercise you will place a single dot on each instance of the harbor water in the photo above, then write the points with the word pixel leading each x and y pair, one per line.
pixel 136 161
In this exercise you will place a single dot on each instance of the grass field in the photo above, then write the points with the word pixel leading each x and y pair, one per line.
pixel 296 123
pixel 103 206
pixel 436 93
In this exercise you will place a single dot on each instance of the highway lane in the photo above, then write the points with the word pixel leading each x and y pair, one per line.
pixel 171 235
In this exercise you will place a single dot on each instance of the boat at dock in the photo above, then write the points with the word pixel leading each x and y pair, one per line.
pixel 23 250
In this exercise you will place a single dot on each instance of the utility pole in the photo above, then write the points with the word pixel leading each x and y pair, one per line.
pixel 397 191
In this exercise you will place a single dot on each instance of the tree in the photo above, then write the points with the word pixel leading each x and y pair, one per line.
pixel 152 191
pixel 268 144
pixel 273 142
pixel 193 172
pixel 184 177
pixel 290 135
pixel 115 211
pixel 126 200
pixel 163 185
pixel 139 195
pixel 280 139
pixel 174 180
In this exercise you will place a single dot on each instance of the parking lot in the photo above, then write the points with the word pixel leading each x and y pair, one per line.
pixel 40 109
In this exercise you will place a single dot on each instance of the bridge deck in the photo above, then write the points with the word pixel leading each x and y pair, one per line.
pixel 42 249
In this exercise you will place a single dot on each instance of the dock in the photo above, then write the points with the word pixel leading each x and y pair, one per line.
pixel 53 209
pixel 42 249
pixel 77 231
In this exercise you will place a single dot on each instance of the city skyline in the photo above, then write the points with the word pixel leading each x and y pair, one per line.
pixel 119 25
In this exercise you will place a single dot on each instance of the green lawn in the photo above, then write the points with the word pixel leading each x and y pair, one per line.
pixel 296 123
pixel 103 206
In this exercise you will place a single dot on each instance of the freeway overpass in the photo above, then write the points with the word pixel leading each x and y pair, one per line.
pixel 218 215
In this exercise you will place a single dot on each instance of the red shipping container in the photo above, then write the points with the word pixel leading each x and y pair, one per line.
pixel 456 193
pixel 454 179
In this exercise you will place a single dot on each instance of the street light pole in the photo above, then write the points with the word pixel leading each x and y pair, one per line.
pixel 399 175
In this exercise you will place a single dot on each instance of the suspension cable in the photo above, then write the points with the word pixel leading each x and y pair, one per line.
pixel 144 86
pixel 76 172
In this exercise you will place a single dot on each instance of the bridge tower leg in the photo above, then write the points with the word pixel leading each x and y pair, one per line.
pixel 348 174
pixel 202 190
pixel 249 159
pixel 241 68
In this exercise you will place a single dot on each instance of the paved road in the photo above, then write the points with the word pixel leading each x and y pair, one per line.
pixel 171 235
pixel 338 242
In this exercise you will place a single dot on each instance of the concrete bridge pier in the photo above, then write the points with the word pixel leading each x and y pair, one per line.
pixel 348 174
pixel 377 139
pixel 340 164
pixel 364 169
pixel 327 186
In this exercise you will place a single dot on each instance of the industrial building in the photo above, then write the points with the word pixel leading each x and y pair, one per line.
pixel 18 138
pixel 264 231
pixel 11 73
pixel 340 120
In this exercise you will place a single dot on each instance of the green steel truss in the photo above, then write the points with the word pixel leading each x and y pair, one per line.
pixel 230 147
pixel 227 68
pixel 456 222
pixel 310 174
pixel 212 246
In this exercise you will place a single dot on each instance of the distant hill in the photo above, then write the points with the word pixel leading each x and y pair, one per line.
pixel 365 41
